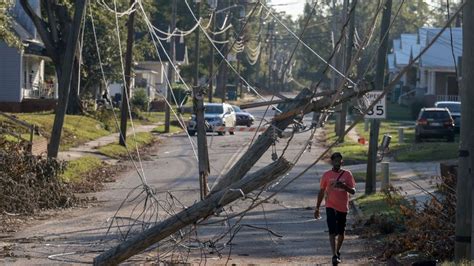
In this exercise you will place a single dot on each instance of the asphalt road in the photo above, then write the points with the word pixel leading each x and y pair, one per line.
pixel 282 230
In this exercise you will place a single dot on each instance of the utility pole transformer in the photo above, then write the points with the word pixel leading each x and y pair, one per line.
pixel 128 72
pixel 371 180
pixel 463 250
pixel 171 63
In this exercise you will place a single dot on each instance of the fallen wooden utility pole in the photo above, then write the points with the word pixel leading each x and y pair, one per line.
pixel 192 214
pixel 232 186
pixel 258 104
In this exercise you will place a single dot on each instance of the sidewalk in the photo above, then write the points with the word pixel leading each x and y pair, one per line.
pixel 90 148
pixel 414 179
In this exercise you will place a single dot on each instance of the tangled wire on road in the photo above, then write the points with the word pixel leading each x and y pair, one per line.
pixel 30 183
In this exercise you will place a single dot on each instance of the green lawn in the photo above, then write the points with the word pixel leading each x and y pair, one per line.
pixel 77 129
pixel 408 151
pixel 161 129
pixel 360 176
pixel 376 204
pixel 430 151
pixel 117 151
pixel 352 151
pixel 76 169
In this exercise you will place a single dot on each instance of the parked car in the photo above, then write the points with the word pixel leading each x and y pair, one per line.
pixel 434 123
pixel 244 118
pixel 216 115
pixel 455 110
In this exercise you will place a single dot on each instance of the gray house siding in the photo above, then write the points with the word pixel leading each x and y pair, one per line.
pixel 10 74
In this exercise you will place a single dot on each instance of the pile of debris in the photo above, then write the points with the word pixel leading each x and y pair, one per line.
pixel 425 233
pixel 30 183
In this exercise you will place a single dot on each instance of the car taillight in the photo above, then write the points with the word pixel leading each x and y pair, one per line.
pixel 449 123
pixel 422 122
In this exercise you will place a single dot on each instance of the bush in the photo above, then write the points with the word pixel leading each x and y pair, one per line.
pixel 140 99
pixel 180 92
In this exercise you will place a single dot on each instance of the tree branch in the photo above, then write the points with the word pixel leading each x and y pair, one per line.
pixel 41 27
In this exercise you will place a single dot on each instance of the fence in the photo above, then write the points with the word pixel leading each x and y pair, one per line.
pixel 29 127
pixel 451 98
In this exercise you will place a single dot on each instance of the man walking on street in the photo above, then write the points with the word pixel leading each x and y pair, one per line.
pixel 336 184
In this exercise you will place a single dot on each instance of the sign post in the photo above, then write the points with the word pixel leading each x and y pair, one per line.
pixel 379 111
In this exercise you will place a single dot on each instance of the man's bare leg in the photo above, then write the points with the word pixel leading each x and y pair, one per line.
pixel 340 239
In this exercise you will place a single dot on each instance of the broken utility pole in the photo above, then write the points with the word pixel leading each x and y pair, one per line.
pixel 192 214
pixel 371 181
pixel 128 72
pixel 233 186
pixel 203 156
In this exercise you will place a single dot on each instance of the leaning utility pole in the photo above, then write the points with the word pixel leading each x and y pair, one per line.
pixel 198 104
pixel 371 180
pixel 203 156
pixel 196 45
pixel 171 63
pixel 339 57
pixel 128 71
pixel 347 63
pixel 270 55
pixel 463 246
pixel 211 57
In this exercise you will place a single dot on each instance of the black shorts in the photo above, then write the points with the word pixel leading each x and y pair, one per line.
pixel 336 221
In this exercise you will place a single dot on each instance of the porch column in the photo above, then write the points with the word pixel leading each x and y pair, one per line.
pixel 432 83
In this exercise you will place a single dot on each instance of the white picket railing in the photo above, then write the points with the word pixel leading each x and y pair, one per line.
pixel 40 91
pixel 451 98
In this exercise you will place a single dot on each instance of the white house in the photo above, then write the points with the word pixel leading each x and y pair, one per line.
pixel 151 73
pixel 22 71
pixel 434 74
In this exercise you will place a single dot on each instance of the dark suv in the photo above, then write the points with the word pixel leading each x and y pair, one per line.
pixel 434 123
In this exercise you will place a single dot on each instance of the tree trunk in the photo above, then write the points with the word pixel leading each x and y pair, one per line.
pixel 74 106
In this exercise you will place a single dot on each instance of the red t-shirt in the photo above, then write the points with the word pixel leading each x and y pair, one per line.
pixel 337 198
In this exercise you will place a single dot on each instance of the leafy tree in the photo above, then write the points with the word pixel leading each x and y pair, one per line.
pixel 6 32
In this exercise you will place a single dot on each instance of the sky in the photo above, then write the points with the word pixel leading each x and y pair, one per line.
pixel 291 7
pixel 295 7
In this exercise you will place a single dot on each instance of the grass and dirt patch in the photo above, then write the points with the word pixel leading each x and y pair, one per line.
pixel 76 169
pixel 115 150
pixel 161 129
pixel 360 177
pixel 407 151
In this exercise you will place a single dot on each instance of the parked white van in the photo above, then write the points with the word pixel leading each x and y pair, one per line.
pixel 216 115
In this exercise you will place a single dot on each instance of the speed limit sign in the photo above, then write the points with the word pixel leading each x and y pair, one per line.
pixel 379 110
